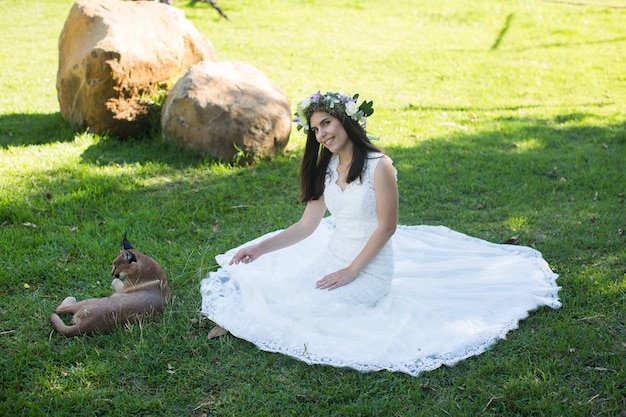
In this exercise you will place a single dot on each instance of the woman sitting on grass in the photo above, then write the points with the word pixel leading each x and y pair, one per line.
pixel 355 290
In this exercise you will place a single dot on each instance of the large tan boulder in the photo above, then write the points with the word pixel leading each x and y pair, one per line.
pixel 116 56
pixel 227 108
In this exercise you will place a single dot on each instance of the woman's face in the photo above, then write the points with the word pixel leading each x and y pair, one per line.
pixel 329 132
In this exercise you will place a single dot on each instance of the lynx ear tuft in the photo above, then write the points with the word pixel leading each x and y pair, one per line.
pixel 129 257
pixel 125 243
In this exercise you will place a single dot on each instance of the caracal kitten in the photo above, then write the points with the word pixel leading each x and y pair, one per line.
pixel 143 294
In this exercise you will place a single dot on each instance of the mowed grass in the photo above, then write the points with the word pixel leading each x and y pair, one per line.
pixel 505 119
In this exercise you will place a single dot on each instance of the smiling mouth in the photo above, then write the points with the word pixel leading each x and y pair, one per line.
pixel 329 141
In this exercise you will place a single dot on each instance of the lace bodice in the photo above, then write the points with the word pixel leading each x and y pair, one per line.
pixel 354 208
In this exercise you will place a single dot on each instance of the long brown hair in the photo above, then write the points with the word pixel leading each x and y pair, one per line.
pixel 316 158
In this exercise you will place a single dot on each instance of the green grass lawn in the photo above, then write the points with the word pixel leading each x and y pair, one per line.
pixel 504 118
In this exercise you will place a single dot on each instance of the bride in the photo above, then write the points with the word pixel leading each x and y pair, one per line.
pixel 354 289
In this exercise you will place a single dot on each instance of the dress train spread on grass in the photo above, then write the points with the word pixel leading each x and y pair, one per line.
pixel 431 297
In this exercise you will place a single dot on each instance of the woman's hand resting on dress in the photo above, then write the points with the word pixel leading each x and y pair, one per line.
pixel 336 279
pixel 246 255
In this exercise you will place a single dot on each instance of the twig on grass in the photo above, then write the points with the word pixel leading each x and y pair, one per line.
pixel 33 207
pixel 492 399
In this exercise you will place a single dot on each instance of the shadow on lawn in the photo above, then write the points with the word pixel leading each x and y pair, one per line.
pixel 111 150
pixel 519 145
pixel 559 174
pixel 33 129
pixel 40 129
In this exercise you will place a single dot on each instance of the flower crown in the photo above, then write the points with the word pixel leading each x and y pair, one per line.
pixel 335 104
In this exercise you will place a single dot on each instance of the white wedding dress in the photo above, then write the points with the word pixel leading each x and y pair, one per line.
pixel 431 297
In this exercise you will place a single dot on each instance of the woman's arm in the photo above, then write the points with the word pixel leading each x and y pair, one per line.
pixel 307 224
pixel 386 189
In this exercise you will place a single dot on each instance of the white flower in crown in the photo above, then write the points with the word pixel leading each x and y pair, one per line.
pixel 351 109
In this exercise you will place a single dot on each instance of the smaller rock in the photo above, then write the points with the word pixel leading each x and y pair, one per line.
pixel 225 109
